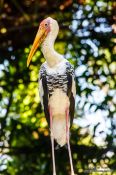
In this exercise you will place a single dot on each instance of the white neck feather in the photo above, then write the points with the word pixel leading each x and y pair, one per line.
pixel 51 56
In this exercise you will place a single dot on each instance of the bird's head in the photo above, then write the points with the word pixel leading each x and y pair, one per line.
pixel 47 27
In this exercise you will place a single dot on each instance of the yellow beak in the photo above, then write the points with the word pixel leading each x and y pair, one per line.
pixel 40 36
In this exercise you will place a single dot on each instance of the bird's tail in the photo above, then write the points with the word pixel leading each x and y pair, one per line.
pixel 59 129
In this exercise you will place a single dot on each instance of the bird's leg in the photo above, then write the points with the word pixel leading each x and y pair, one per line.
pixel 67 139
pixel 52 142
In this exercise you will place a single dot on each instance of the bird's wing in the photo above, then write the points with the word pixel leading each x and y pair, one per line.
pixel 43 91
pixel 71 90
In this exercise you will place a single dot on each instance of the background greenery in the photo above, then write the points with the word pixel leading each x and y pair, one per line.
pixel 86 39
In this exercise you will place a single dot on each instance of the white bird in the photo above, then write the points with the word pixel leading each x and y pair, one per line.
pixel 56 86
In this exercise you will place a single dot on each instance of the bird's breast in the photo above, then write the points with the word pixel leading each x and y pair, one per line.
pixel 56 77
pixel 59 102
pixel 60 68
pixel 57 81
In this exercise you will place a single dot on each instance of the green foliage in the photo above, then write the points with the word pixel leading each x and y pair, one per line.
pixel 86 39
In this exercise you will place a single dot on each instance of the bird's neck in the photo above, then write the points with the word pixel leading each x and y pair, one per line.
pixel 52 57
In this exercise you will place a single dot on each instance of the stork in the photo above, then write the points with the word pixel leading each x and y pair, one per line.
pixel 56 86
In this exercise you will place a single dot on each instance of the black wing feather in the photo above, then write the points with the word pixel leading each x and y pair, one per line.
pixel 71 97
pixel 45 100
pixel 72 108
pixel 42 77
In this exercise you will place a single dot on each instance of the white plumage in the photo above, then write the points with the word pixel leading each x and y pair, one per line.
pixel 56 86
pixel 58 103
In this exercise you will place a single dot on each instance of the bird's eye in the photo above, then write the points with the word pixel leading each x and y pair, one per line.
pixel 46 24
